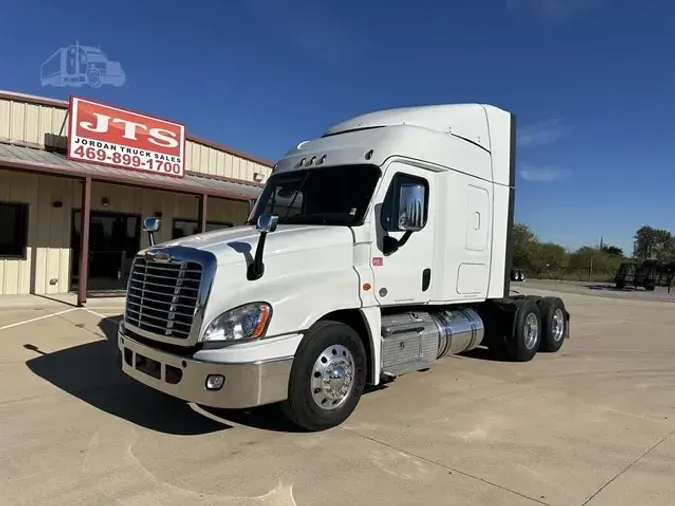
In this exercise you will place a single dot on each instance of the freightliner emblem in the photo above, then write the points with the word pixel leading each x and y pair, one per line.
pixel 158 256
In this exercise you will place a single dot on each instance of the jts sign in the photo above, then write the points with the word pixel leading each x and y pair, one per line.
pixel 110 136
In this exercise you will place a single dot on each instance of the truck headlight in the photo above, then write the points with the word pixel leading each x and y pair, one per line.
pixel 249 321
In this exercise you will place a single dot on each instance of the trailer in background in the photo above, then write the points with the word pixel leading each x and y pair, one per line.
pixel 647 274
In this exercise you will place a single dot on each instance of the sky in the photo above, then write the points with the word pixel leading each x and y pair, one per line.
pixel 591 82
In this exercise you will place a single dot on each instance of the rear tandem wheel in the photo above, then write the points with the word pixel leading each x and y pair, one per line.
pixel 554 324
pixel 521 343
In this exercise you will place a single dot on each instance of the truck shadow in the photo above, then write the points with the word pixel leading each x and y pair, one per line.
pixel 269 417
pixel 660 289
pixel 91 373
pixel 610 288
pixel 480 353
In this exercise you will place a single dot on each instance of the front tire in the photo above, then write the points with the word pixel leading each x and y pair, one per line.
pixel 327 378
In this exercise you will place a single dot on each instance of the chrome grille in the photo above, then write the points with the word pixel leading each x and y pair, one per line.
pixel 162 297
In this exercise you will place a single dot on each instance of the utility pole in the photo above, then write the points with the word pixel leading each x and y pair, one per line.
pixel 590 271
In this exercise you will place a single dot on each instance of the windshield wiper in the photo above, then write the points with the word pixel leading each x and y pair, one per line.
pixel 297 192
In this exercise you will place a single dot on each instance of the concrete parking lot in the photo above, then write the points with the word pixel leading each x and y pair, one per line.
pixel 592 424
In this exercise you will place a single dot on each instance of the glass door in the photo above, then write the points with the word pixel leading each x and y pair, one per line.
pixel 114 239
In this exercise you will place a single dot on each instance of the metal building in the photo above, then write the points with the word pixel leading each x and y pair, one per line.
pixel 71 226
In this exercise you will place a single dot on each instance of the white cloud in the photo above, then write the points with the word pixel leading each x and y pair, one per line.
pixel 542 173
pixel 542 132
pixel 554 10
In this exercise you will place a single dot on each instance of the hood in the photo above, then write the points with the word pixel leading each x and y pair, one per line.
pixel 228 245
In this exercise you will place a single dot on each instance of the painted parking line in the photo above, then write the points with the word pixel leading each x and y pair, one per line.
pixel 31 320
pixel 109 318
pixel 96 313
pixel 105 312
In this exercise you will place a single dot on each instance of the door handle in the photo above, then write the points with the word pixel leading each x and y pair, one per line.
pixel 426 279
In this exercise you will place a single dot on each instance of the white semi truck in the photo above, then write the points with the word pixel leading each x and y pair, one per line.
pixel 372 251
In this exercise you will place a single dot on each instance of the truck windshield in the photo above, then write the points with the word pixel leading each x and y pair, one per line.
pixel 319 196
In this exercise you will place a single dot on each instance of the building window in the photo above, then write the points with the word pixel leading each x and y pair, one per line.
pixel 184 228
pixel 14 230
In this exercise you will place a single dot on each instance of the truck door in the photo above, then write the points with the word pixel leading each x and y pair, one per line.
pixel 473 274
pixel 403 276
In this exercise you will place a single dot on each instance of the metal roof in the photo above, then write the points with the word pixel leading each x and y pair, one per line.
pixel 30 159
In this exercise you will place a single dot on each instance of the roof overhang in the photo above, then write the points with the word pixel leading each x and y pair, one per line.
pixel 27 159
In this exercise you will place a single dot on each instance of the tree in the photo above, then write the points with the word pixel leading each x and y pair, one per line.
pixel 613 250
pixel 525 244
pixel 550 259
pixel 523 235
pixel 651 242
pixel 553 257
pixel 535 256
pixel 597 259
pixel 582 258
pixel 668 253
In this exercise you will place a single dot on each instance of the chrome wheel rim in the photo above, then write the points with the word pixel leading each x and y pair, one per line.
pixel 333 377
pixel 531 331
pixel 558 328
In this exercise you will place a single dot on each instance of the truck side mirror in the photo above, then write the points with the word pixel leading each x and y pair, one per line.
pixel 266 223
pixel 412 205
pixel 151 225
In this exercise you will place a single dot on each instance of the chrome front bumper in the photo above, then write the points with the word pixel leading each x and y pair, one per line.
pixel 246 384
